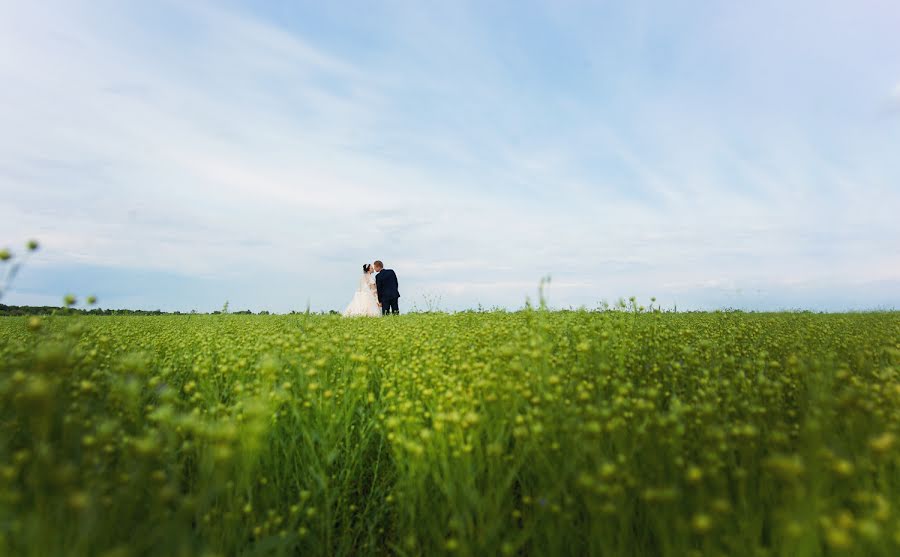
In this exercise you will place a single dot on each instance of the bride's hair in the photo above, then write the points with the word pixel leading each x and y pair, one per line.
pixel 366 267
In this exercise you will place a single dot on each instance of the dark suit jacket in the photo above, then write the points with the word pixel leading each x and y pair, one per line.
pixel 386 284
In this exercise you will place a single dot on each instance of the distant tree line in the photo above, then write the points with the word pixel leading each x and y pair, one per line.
pixel 9 311
pixel 52 310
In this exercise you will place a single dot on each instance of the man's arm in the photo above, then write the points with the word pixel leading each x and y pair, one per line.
pixel 378 282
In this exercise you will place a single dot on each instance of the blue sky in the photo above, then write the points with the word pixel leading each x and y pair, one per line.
pixel 176 155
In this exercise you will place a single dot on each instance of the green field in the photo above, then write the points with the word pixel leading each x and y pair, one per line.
pixel 529 433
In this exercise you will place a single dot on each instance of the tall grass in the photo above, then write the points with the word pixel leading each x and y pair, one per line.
pixel 529 433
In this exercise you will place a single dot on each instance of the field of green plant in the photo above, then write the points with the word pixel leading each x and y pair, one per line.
pixel 529 433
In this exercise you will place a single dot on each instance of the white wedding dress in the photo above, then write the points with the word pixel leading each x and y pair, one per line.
pixel 365 301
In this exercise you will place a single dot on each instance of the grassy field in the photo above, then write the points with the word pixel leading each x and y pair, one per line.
pixel 530 433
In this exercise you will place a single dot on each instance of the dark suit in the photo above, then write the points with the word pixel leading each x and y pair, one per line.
pixel 388 294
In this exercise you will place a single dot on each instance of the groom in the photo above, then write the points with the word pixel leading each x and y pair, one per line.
pixel 386 284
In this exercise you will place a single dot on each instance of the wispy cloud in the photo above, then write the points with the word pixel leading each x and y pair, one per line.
pixel 894 97
pixel 473 151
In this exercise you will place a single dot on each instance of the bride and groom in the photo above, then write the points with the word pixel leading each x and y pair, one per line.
pixel 376 295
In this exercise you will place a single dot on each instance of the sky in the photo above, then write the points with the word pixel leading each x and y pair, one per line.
pixel 176 155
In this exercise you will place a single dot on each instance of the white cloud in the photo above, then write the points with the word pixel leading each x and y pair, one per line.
pixel 248 150
pixel 895 94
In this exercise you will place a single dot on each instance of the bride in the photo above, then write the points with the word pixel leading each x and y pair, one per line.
pixel 365 301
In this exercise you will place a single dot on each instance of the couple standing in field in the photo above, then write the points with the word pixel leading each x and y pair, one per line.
pixel 375 295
